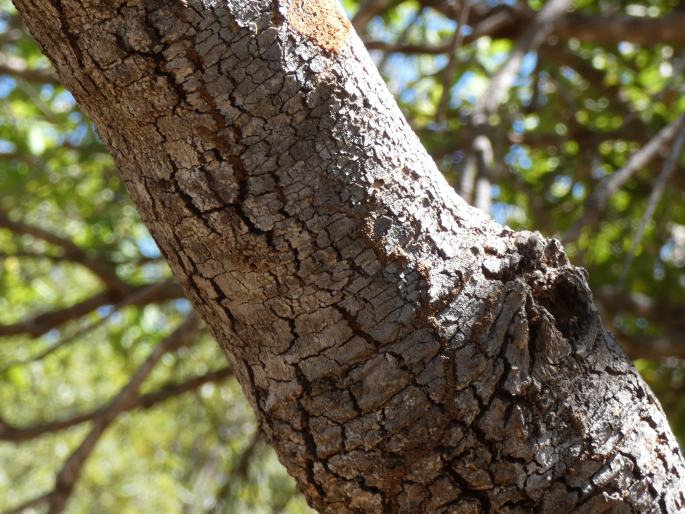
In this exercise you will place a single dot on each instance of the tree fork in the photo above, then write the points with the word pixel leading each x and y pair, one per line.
pixel 403 352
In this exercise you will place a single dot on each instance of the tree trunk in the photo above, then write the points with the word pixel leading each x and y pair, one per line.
pixel 403 352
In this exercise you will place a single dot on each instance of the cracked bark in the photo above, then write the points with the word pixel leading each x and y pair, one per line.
pixel 403 352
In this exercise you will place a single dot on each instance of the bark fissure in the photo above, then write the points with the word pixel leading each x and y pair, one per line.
pixel 402 352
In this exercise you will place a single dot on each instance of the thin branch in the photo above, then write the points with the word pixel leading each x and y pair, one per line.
pixel 402 37
pixel 40 324
pixel 598 200
pixel 238 472
pixel 104 271
pixel 28 254
pixel 535 34
pixel 29 504
pixel 23 254
pixel 498 89
pixel 71 470
pixel 604 30
pixel 485 23
pixel 367 11
pixel 19 69
pixel 467 180
pixel 663 313
pixel 146 401
pixel 11 34
pixel 484 158
pixel 657 192
pixel 613 29
pixel 451 67
pixel 613 302
pixel 278 507
pixel 409 48
pixel 135 298
pixel 652 347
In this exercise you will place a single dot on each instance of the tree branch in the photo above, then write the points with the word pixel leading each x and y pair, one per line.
pixel 538 30
pixel 40 324
pixel 598 200
pixel 604 30
pixel 238 472
pixel 18 68
pixel 29 504
pixel 97 266
pixel 613 29
pixel 667 170
pixel 69 474
pixel 16 434
pixel 652 347
pixel 662 313
pixel 448 71
pixel 366 12
pixel 496 92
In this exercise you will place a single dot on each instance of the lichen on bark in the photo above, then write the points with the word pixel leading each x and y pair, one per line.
pixel 403 352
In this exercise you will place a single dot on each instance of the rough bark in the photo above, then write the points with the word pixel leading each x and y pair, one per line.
pixel 403 352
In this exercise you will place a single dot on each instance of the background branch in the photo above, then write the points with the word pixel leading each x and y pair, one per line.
pixel 67 477
pixel 17 434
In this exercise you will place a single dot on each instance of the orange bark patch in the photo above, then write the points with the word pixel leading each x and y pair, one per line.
pixel 322 21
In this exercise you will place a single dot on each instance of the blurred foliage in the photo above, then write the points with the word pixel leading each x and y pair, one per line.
pixel 576 113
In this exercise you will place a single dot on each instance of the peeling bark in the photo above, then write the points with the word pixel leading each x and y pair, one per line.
pixel 403 352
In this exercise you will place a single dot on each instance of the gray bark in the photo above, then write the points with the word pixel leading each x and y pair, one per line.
pixel 403 352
